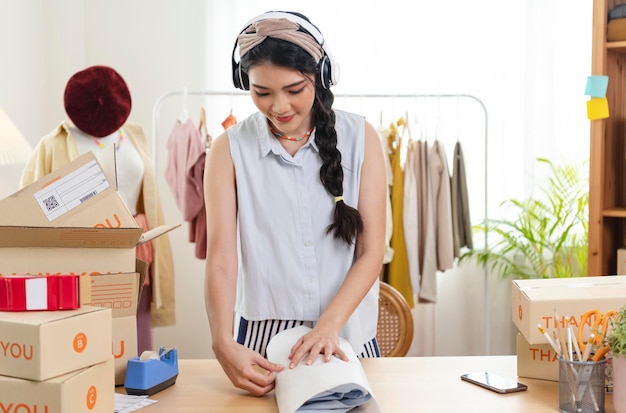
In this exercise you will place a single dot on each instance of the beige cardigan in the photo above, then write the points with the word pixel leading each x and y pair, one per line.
pixel 59 148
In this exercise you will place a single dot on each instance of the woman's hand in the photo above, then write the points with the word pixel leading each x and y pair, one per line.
pixel 247 369
pixel 315 342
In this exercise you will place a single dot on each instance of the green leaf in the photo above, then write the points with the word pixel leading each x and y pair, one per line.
pixel 548 232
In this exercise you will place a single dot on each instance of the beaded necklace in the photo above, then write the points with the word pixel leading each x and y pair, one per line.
pixel 103 145
pixel 290 138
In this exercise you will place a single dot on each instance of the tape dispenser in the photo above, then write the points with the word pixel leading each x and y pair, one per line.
pixel 151 372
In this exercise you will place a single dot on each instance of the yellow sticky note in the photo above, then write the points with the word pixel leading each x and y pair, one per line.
pixel 597 108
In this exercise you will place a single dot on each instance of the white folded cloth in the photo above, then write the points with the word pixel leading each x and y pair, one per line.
pixel 335 386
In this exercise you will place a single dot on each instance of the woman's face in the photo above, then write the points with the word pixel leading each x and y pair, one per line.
pixel 284 95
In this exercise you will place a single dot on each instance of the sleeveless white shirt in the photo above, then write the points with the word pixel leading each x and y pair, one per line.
pixel 290 268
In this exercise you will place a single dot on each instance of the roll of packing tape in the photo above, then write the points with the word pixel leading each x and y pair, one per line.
pixel 36 293
pixel 149 355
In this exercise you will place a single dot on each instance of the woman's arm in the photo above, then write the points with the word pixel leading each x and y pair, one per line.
pixel 370 247
pixel 221 274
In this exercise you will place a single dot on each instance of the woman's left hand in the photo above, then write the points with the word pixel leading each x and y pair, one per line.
pixel 315 342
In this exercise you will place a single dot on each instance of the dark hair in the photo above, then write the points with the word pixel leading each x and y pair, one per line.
pixel 347 222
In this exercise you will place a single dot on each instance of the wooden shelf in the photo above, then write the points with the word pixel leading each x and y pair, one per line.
pixel 615 213
pixel 607 167
pixel 619 47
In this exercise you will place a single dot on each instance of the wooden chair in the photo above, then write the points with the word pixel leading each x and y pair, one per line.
pixel 395 322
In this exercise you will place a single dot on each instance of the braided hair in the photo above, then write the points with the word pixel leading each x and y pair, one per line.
pixel 347 222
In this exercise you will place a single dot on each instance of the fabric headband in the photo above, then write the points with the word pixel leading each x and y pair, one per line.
pixel 283 29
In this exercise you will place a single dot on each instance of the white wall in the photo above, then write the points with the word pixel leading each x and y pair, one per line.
pixel 21 75
pixel 163 45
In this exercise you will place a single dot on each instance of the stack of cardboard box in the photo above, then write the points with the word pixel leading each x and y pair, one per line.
pixel 557 302
pixel 56 361
pixel 72 221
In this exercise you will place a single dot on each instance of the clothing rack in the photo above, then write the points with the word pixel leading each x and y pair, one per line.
pixel 437 97
pixel 207 93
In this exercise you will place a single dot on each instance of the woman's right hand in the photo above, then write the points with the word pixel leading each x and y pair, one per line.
pixel 246 368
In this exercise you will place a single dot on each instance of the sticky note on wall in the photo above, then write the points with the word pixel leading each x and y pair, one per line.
pixel 597 108
pixel 596 86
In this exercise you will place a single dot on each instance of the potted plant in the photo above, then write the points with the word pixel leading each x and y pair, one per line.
pixel 543 236
pixel 616 341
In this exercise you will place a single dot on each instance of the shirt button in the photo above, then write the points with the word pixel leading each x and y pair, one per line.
pixel 307 244
pixel 311 280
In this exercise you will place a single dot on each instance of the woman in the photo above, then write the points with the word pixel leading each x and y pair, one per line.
pixel 301 187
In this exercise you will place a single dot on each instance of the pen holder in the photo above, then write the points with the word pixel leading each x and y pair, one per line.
pixel 581 386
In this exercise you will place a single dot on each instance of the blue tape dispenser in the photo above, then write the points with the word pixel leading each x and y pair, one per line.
pixel 150 373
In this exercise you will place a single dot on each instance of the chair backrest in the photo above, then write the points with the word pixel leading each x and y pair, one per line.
pixel 395 322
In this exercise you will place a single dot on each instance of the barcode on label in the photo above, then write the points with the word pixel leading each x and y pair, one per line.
pixel 86 197
pixel 50 203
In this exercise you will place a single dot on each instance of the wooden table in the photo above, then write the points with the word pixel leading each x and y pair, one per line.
pixel 408 384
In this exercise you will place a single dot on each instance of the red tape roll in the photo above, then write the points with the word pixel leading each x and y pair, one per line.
pixel 39 293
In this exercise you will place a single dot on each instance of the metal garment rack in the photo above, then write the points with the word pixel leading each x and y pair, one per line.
pixel 208 93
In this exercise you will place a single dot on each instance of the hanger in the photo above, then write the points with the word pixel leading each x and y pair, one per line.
pixel 184 113
pixel 202 124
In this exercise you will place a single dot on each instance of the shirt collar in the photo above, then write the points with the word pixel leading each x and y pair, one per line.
pixel 269 144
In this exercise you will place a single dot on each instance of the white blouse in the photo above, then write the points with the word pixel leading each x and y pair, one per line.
pixel 290 268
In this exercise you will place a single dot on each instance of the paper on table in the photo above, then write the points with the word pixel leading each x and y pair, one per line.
pixel 126 403
pixel 336 386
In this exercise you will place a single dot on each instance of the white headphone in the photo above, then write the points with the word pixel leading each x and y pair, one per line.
pixel 327 67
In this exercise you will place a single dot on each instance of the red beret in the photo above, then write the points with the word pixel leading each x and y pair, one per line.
pixel 97 100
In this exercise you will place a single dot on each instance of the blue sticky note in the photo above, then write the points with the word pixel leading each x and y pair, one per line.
pixel 596 86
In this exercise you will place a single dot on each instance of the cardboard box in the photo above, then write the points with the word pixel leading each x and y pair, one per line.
pixel 120 293
pixel 65 198
pixel 533 302
pixel 39 345
pixel 124 345
pixel 536 361
pixel 86 390
pixel 74 222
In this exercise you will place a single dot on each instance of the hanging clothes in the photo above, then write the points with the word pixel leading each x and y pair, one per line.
pixel 398 269
pixel 415 209
pixel 421 173
pixel 410 217
pixel 461 223
pixel 438 248
pixel 415 206
pixel 184 174
pixel 383 134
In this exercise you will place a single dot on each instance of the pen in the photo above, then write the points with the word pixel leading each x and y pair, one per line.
pixel 547 336
pixel 556 340
pixel 576 346
pixel 588 347
pixel 561 336
pixel 570 354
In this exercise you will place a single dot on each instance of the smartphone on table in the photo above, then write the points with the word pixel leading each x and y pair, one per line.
pixel 494 382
